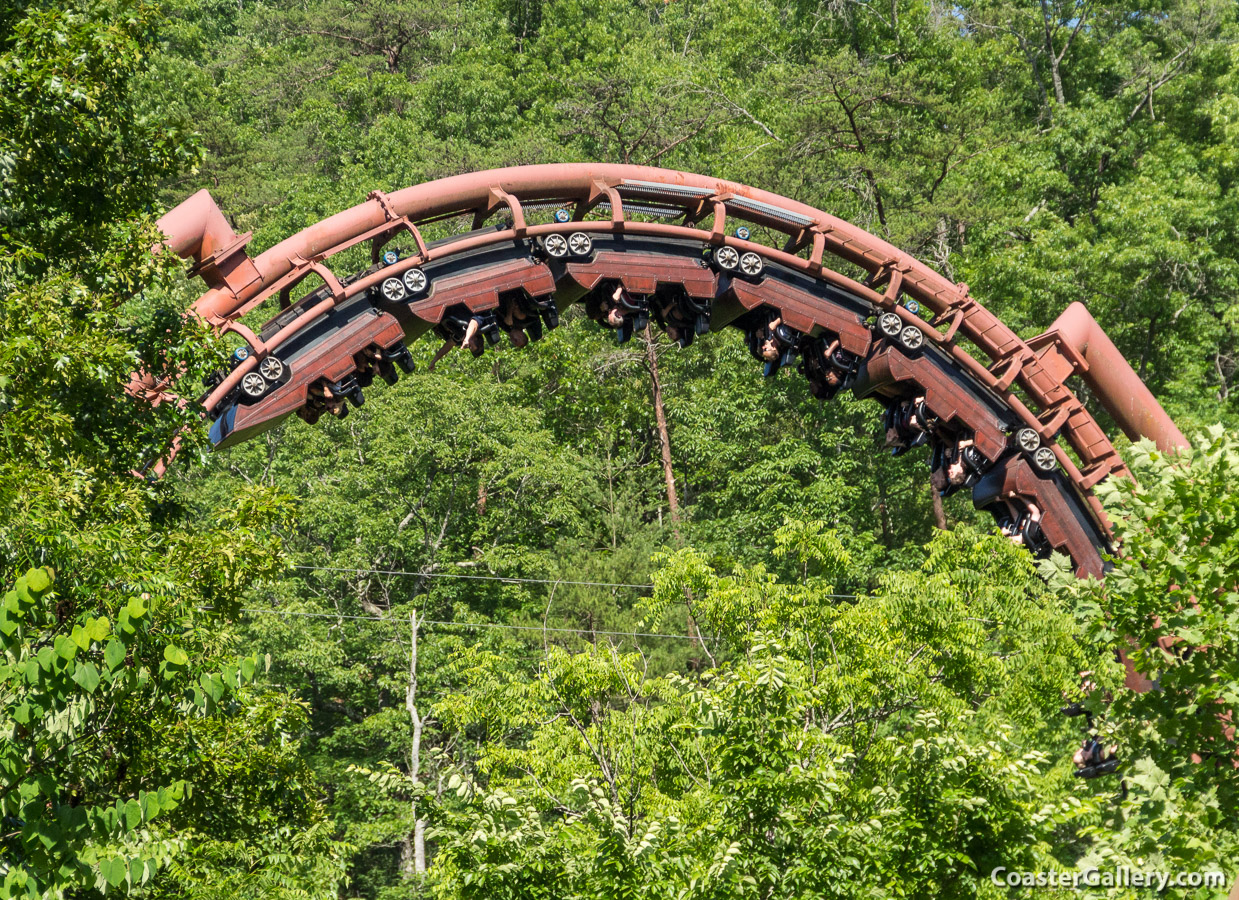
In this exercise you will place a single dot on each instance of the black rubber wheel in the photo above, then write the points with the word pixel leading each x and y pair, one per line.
pixel 1028 440
pixel 751 264
pixel 1044 459
pixel 555 246
pixel 253 385
pixel 580 243
pixel 912 338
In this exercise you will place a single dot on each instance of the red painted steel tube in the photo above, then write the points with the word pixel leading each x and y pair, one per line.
pixel 1115 383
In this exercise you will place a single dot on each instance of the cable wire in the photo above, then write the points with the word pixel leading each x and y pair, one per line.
pixel 508 579
pixel 503 578
pixel 581 631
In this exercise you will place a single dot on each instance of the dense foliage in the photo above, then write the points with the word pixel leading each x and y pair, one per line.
pixel 411 653
pixel 135 740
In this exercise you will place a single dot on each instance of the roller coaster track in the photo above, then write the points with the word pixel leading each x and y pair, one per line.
pixel 695 253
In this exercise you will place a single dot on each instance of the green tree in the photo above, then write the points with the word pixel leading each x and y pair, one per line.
pixel 880 745
pixel 1170 603
pixel 139 752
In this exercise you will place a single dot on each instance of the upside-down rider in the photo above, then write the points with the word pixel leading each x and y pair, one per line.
pixel 623 313
pixel 907 424
pixel 829 369
pixel 773 343
pixel 955 464
pixel 458 333
pixel 514 323
pixel 1093 759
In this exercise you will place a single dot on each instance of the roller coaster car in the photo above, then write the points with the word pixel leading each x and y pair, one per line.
pixel 799 300
pixel 1106 767
pixel 609 298
pixel 528 314
pixel 772 342
pixel 324 350
pixel 474 279
pixel 645 264
pixel 454 326
pixel 347 388
pixel 400 355
pixel 375 361
pixel 951 396
pixel 948 454
pixel 907 422
pixel 1096 761
pixel 1065 523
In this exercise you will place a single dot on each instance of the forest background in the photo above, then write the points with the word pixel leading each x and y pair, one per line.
pixel 208 681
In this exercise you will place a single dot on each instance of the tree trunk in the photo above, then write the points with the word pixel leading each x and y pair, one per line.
pixel 419 846
pixel 1057 79
pixel 415 751
pixel 664 438
pixel 664 444
pixel 939 510
pixel 884 514
pixel 1054 58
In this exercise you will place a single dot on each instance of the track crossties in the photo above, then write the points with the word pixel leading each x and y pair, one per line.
pixel 693 254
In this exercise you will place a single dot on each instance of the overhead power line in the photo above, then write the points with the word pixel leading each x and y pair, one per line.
pixel 504 578
pixel 510 579
pixel 499 625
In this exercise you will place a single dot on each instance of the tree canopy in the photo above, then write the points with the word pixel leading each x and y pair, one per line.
pixel 463 644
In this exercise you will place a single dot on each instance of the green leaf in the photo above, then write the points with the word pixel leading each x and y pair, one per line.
pixel 47 659
pixel 98 628
pixel 150 805
pixel 65 648
pixel 213 685
pixel 38 581
pixel 136 608
pixel 133 814
pixel 87 676
pixel 114 870
pixel 114 655
pixel 175 656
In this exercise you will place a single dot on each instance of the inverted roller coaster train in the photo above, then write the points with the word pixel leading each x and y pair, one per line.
pixel 696 254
